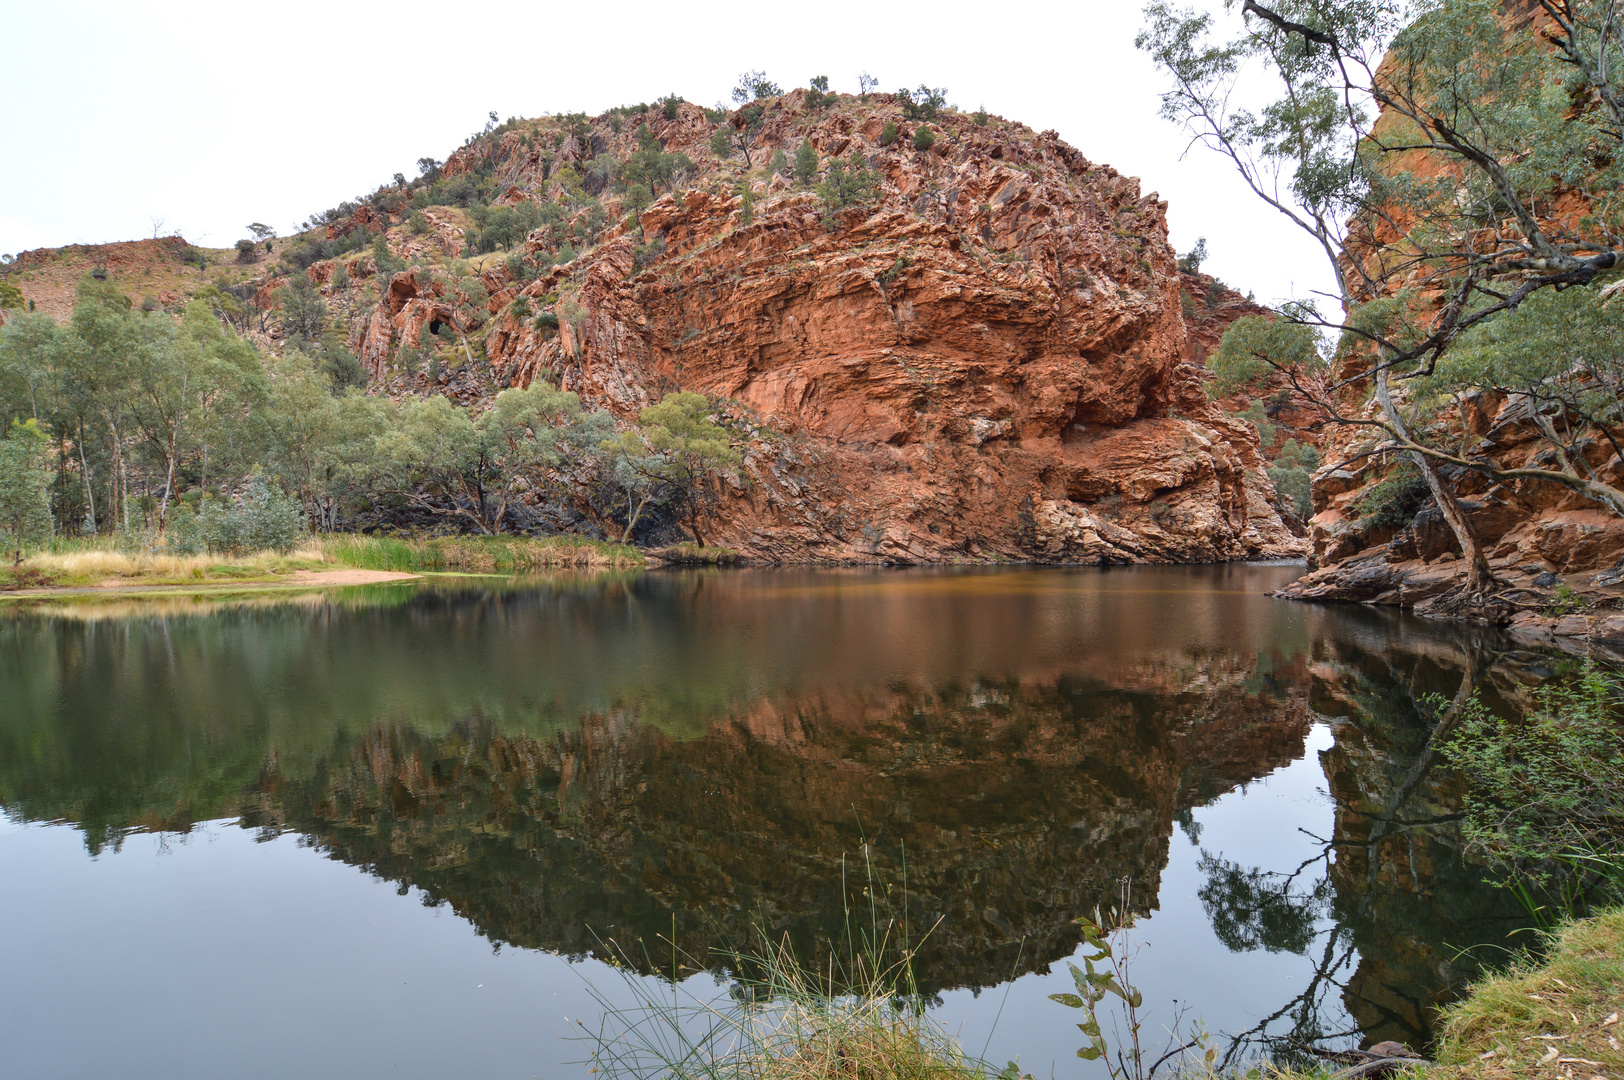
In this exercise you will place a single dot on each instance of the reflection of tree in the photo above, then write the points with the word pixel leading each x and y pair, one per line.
pixel 1252 909
pixel 1392 902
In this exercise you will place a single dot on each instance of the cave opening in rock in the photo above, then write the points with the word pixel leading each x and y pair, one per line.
pixel 435 326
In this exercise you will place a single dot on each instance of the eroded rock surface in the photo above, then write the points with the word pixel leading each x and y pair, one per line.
pixel 987 360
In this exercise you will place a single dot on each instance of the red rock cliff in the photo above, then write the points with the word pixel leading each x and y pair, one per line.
pixel 988 360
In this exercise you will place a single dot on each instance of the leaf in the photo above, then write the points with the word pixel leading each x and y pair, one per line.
pixel 1089 1053
pixel 1091 1029
pixel 1071 1001
pixel 1135 998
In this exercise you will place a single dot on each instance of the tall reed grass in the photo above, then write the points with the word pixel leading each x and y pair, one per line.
pixel 476 554
pixel 861 1016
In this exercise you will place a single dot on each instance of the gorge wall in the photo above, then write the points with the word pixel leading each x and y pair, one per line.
pixel 987 359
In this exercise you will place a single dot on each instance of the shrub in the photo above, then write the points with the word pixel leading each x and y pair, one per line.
pixel 1545 797
pixel 1291 481
pixel 888 134
pixel 818 95
pixel 780 162
pixel 923 103
pixel 246 251
pixel 980 117
pixel 753 86
pixel 1393 501
pixel 264 520
pixel 669 104
pixel 1190 262
pixel 923 138
pixel 806 164
pixel 418 222
pixel 849 182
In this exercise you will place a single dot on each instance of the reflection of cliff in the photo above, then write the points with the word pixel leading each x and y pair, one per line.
pixel 1401 883
pixel 1002 811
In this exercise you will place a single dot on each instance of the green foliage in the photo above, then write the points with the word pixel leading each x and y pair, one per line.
pixel 304 314
pixel 418 223
pixel 650 170
pixel 922 103
pixel 923 138
pixel 265 519
pixel 1107 956
pixel 1190 262
pixel 806 163
pixel 1545 801
pixel 817 95
pixel 889 133
pixel 670 104
pixel 25 509
pixel 11 297
pixel 1290 473
pixel 979 117
pixel 687 448
pixel 720 144
pixel 747 206
pixel 1566 600
pixel 847 183
pixel 1393 501
pixel 780 161
pixel 1255 346
pixel 753 86
pixel 247 251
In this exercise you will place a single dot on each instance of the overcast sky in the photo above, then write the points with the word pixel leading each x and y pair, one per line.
pixel 209 116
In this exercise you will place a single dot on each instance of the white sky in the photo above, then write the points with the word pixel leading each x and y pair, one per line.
pixel 213 115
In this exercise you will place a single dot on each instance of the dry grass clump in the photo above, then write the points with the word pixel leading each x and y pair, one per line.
pixel 103 563
pixel 1559 1019
pixel 786 1023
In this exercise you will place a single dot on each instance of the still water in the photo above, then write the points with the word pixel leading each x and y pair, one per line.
pixel 393 831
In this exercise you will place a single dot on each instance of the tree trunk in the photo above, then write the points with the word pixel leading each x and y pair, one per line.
pixel 121 481
pixel 169 481
pixel 1479 579
pixel 84 469
pixel 626 536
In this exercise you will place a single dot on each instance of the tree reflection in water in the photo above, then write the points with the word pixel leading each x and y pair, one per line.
pixel 709 754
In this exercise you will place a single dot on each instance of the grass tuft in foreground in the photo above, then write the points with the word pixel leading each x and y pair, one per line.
pixel 1558 1018
pixel 787 1023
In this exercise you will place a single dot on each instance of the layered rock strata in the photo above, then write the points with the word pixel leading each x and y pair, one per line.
pixel 988 360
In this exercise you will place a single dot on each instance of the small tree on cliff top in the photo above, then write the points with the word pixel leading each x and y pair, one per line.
pixel 1433 263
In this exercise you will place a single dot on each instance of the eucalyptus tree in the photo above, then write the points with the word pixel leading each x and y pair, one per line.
pixel 1452 161
pixel 25 511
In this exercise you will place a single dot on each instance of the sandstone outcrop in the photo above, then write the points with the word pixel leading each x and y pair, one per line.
pixel 986 360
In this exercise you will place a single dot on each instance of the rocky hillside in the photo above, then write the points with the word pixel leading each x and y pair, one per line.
pixel 937 336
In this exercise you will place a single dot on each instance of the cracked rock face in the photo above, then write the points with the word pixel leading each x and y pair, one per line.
pixel 986 361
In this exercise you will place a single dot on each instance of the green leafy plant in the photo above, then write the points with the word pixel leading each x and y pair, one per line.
pixel 1545 796
pixel 1392 502
pixel 1107 957
pixel 1566 601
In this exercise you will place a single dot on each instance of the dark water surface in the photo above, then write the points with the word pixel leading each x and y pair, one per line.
pixel 386 832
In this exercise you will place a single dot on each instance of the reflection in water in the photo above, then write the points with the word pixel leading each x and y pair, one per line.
pixel 708 754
